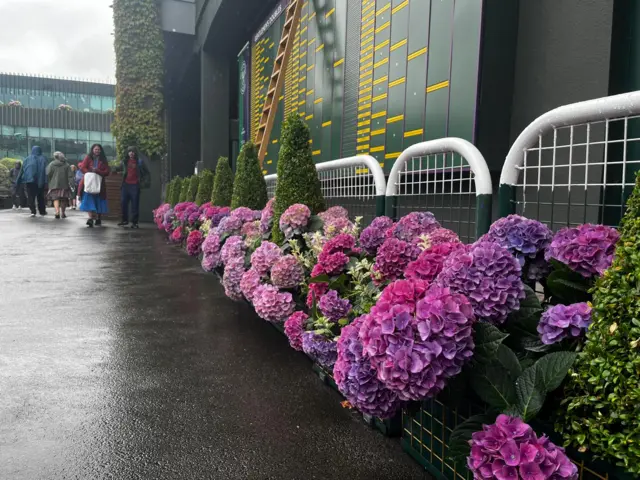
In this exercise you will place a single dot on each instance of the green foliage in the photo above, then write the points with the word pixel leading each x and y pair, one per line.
pixel 10 162
pixel 139 47
pixel 167 193
pixel 184 190
pixel 194 182
pixel 223 184
pixel 176 190
pixel 297 177
pixel 249 187
pixel 5 181
pixel 205 187
pixel 602 405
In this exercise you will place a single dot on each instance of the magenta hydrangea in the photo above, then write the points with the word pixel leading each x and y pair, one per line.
pixel 294 328
pixel 375 234
pixel 233 272
pixel 158 215
pixel 393 257
pixel 184 210
pixel 587 249
pixel 245 214
pixel 342 242
pixel 251 280
pixel 321 349
pixel 229 226
pixel 333 307
pixel 232 249
pixel 510 450
pixel 295 220
pixel 265 256
pixel 489 276
pixel 194 242
pixel 316 290
pixel 418 340
pixel 273 305
pixel 266 217
pixel 357 379
pixel 411 226
pixel 177 236
pixel 287 272
pixel 429 263
pixel 213 213
pixel 564 321
pixel 168 221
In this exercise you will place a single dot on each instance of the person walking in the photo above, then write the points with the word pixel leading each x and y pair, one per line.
pixel 135 174
pixel 95 204
pixel 61 181
pixel 79 176
pixel 16 190
pixel 34 175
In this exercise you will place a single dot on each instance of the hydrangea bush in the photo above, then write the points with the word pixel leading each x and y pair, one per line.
pixel 564 321
pixel 294 329
pixel 272 304
pixel 320 348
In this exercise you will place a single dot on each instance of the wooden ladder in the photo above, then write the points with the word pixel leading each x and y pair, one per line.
pixel 276 83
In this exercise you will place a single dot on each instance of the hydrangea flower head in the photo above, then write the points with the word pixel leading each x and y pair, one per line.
pixel 331 264
pixel 177 236
pixel 251 232
pixel 167 220
pixel 229 226
pixel 265 256
pixel 287 272
pixel 430 262
pixel 218 214
pixel 233 272
pixel 411 226
pixel 233 249
pixel 357 379
pixel 333 307
pixel 342 242
pixel 320 348
pixel 245 214
pixel 416 345
pixel 266 217
pixel 211 244
pixel 489 276
pixel 437 237
pixel 294 328
pixel 316 290
pixel 210 262
pixel 510 449
pixel 393 257
pixel 334 212
pixel 336 225
pixel 158 215
pixel 273 305
pixel 294 220
pixel 194 242
pixel 251 280
pixel 375 234
pixel 564 321
pixel 587 249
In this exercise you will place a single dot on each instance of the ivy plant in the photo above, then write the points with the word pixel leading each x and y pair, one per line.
pixel 223 184
pixel 249 187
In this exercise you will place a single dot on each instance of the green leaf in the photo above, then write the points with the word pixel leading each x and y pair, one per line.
pixel 315 224
pixel 320 279
pixel 529 398
pixel 507 358
pixel 458 448
pixel 529 307
pixel 487 339
pixel 568 287
pixel 552 369
pixel 494 385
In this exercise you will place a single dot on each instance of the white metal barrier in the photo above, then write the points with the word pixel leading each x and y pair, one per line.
pixel 575 164
pixel 448 177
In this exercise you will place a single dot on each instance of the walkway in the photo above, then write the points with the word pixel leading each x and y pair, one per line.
pixel 120 358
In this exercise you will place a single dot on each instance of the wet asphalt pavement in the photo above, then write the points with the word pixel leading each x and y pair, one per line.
pixel 121 359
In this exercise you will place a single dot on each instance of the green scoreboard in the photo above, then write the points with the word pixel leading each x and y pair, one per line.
pixel 373 76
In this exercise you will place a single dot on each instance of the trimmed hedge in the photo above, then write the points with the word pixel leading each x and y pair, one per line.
pixel 223 184
pixel 298 180
pixel 167 193
pixel 175 191
pixel 205 187
pixel 184 190
pixel 194 182
pixel 602 405
pixel 249 187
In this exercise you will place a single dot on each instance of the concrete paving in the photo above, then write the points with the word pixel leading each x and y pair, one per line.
pixel 120 358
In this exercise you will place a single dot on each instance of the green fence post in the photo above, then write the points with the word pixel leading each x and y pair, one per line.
pixel 507 200
pixel 390 204
pixel 484 204
pixel 380 205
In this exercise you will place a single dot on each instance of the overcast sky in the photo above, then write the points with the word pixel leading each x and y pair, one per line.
pixel 63 38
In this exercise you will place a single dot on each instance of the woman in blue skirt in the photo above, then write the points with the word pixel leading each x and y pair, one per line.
pixel 94 204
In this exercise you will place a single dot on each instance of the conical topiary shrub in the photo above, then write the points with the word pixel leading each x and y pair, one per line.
pixel 205 187
pixel 167 192
pixel 184 189
pixel 175 191
pixel 249 187
pixel 297 177
pixel 223 184
pixel 193 188
pixel 602 406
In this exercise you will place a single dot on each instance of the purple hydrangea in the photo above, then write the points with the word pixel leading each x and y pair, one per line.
pixel 245 214
pixel 185 210
pixel 216 214
pixel 167 221
pixel 429 263
pixel 564 321
pixel 266 217
pixel 294 328
pixel 194 242
pixel 229 226
pixel 251 280
pixel 320 349
pixel 510 449
pixel 375 234
pixel 294 220
pixel 411 226
pixel 233 272
pixel 357 379
pixel 211 244
pixel 393 257
pixel 417 344
pixel 265 256
pixel 489 276
pixel 587 249
pixel 316 290
pixel 210 262
pixel 273 305
pixel 333 307
pixel 287 272
pixel 233 249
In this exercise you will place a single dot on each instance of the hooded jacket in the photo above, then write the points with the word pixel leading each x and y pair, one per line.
pixel 60 175
pixel 34 169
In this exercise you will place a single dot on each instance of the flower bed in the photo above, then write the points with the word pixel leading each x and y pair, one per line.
pixel 401 315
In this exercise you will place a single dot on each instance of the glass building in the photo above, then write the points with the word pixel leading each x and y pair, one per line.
pixel 55 114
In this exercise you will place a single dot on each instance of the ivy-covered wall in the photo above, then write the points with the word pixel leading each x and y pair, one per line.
pixel 139 47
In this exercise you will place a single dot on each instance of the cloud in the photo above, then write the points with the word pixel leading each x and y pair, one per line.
pixel 63 38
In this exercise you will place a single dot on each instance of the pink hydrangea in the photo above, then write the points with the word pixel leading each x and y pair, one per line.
pixel 211 244
pixel 251 232
pixel 411 226
pixel 342 242
pixel 265 256
pixel 251 280
pixel 245 214
pixel 294 328
pixel 233 272
pixel 273 305
pixel 177 236
pixel 430 262
pixel 210 262
pixel 393 257
pixel 375 234
pixel 294 220
pixel 232 249
pixel 287 272
pixel 336 225
pixel 266 217
pixel 316 290
pixel 332 264
pixel 334 212
pixel 194 242
pixel 442 235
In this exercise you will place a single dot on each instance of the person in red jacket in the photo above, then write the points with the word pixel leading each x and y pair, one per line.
pixel 94 204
